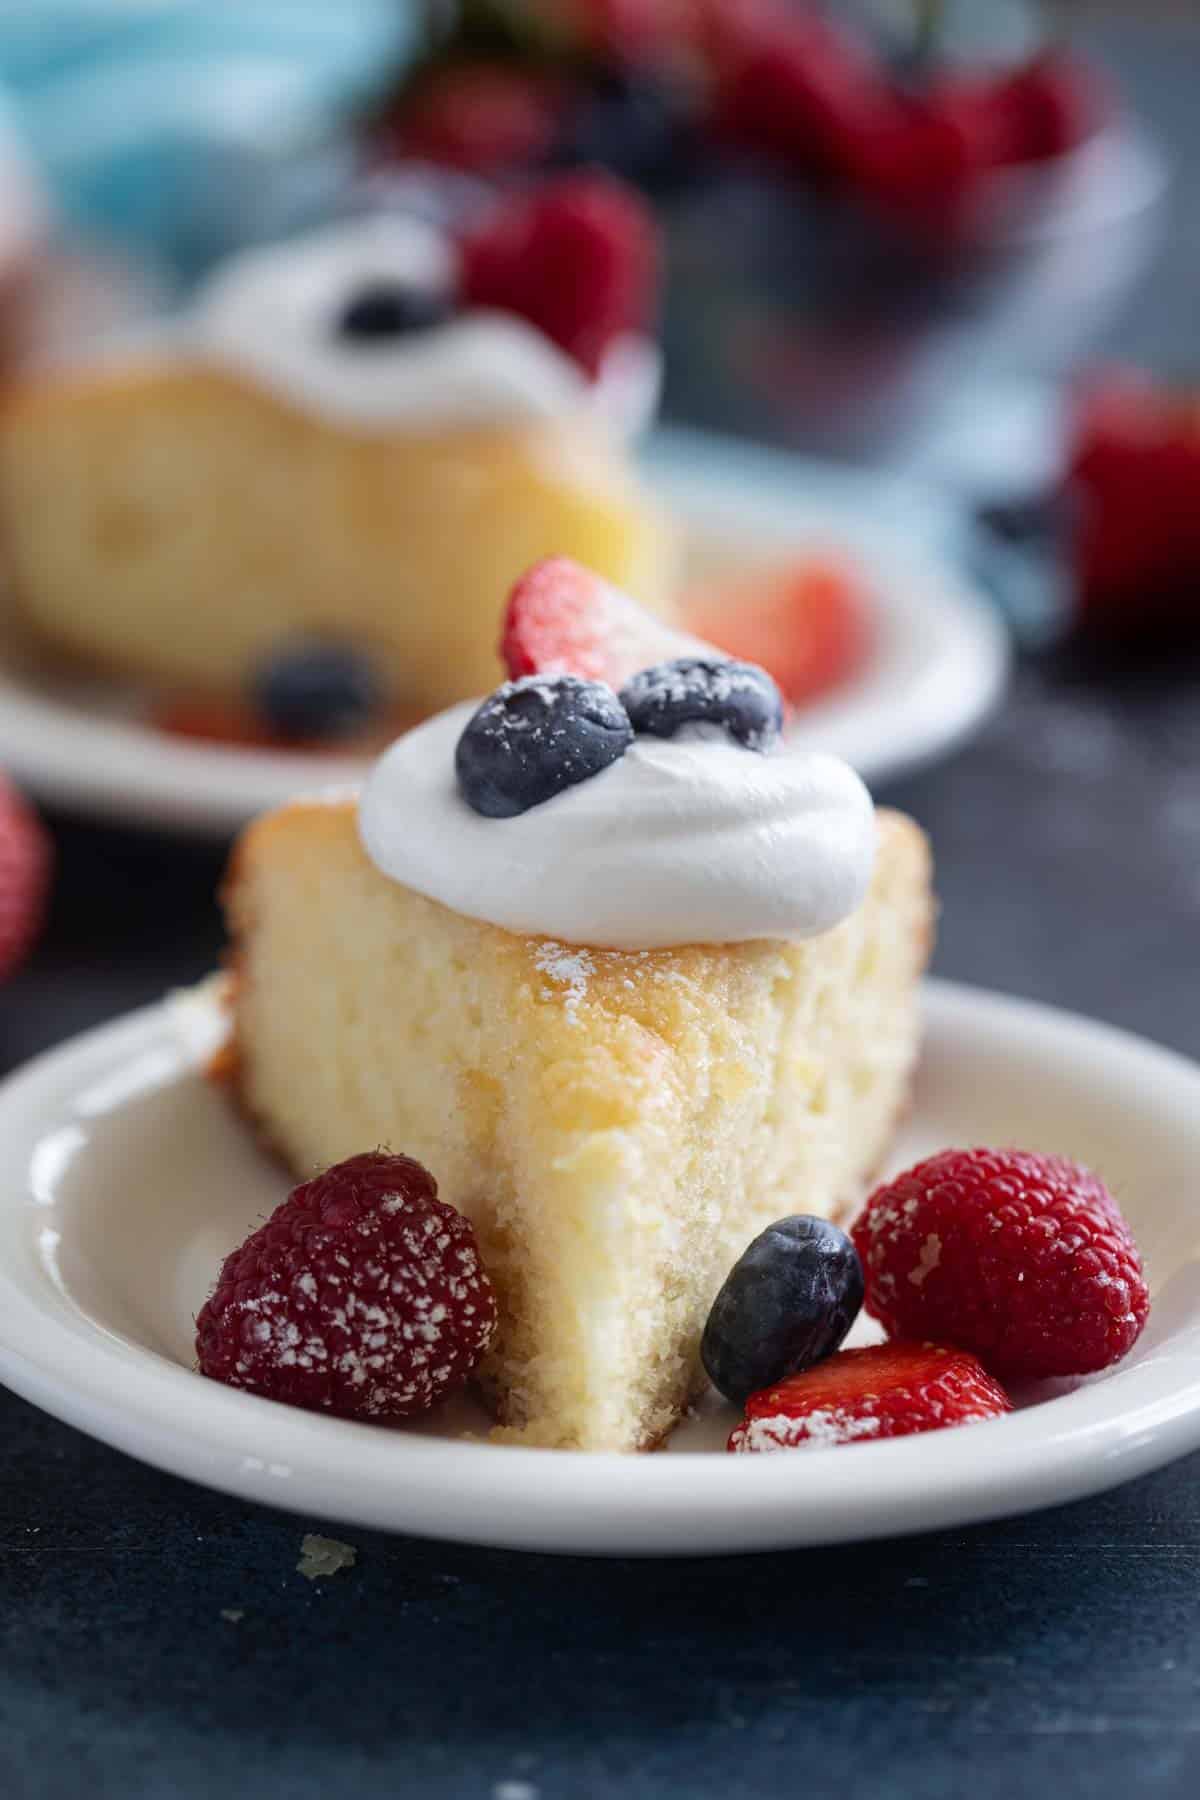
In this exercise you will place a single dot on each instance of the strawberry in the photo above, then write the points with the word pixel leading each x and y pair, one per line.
pixel 563 619
pixel 26 860
pixel 808 625
pixel 577 257
pixel 861 1396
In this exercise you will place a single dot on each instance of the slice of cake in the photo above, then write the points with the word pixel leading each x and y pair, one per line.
pixel 334 441
pixel 621 1113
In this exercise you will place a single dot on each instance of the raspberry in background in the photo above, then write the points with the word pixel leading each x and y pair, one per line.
pixel 362 1295
pixel 26 863
pixel 1022 1259
pixel 862 1396
pixel 577 257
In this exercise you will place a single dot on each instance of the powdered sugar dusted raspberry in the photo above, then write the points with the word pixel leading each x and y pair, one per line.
pixel 363 1295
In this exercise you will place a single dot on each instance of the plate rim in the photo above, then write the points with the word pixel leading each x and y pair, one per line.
pixel 114 769
pixel 428 1486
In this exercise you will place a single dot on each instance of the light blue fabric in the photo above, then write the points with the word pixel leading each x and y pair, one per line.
pixel 179 128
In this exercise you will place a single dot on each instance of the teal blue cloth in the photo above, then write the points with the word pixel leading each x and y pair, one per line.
pixel 179 128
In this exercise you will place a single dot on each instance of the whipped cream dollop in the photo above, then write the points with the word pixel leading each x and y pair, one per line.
pixel 272 315
pixel 684 840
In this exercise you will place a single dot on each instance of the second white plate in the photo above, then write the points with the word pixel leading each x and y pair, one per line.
pixel 939 661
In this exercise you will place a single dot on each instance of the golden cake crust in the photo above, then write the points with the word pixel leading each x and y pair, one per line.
pixel 174 522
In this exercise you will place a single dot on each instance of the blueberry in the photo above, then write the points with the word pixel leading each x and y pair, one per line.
pixel 633 124
pixel 787 1303
pixel 534 737
pixel 390 309
pixel 695 690
pixel 316 689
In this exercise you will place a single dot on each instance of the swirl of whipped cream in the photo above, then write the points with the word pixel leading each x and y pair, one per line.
pixel 272 314
pixel 683 841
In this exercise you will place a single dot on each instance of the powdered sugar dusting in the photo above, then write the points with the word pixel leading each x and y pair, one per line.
pixel 818 1430
pixel 571 968
pixel 930 1257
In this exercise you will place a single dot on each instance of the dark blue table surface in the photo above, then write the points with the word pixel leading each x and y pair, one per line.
pixel 1059 1652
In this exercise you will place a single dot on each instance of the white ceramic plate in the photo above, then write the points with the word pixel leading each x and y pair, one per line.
pixel 939 662
pixel 129 1179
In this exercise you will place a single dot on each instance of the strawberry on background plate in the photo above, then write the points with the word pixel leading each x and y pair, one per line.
pixel 578 257
pixel 863 1396
pixel 26 864
pixel 808 624
pixel 563 619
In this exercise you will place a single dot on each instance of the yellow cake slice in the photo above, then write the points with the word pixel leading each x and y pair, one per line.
pixel 617 1124
pixel 173 521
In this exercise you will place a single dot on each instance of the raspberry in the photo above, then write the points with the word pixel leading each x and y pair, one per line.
pixel 1057 102
pixel 563 619
pixel 1022 1259
pixel 886 1390
pixel 577 257
pixel 482 117
pixel 362 1295
pixel 26 860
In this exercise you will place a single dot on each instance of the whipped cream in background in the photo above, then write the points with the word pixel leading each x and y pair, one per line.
pixel 680 842
pixel 272 314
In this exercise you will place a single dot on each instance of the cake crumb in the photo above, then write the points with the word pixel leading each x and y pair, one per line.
pixel 321 1556
pixel 234 1614
pixel 571 968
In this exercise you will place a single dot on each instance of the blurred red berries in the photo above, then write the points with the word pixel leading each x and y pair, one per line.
pixel 1134 479
pixel 482 117
pixel 577 257
pixel 26 862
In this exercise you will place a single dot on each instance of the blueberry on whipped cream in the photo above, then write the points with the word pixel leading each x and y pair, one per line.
pixel 383 310
pixel 739 698
pixel 534 737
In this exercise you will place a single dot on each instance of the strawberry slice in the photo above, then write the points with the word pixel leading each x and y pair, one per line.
pixel 808 625
pixel 563 619
pixel 860 1396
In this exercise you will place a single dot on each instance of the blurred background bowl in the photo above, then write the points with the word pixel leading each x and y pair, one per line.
pixel 793 319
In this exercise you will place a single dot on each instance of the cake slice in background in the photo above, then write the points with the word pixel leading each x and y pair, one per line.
pixel 351 437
